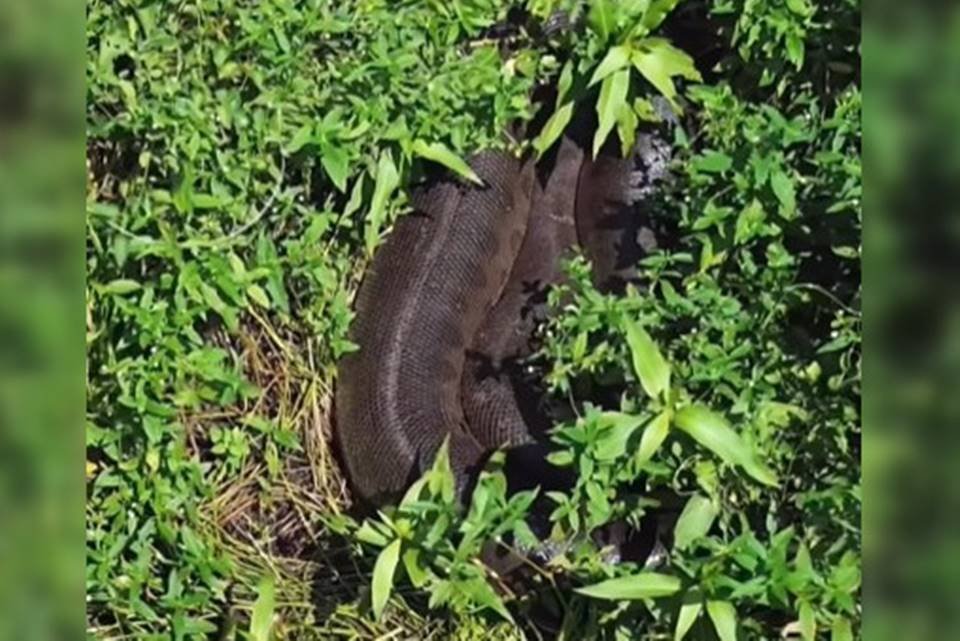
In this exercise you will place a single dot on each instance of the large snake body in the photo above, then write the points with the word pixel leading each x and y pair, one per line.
pixel 449 306
pixel 430 285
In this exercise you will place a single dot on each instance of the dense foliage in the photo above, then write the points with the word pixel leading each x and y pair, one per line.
pixel 245 158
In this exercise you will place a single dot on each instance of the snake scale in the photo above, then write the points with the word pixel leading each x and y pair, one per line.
pixel 449 306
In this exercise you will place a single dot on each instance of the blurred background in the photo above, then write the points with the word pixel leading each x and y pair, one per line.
pixel 912 406
pixel 41 319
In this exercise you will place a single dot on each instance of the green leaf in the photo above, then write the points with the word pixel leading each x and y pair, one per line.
pixel 613 95
pixel 337 165
pixel 808 622
pixel 627 128
pixel 120 286
pixel 261 617
pixel 659 61
pixel 653 436
pixel 370 534
pixel 656 12
pixel 648 363
pixel 564 83
pixel 383 571
pixel 602 18
pixel 724 618
pixel 841 630
pixel 749 222
pixel 553 128
pixel 612 443
pixel 695 521
pixel 616 59
pixel 714 433
pixel 440 154
pixel 690 609
pixel 387 180
pixel 303 136
pixel 645 585
pixel 783 188
pixel 417 573
pixel 712 162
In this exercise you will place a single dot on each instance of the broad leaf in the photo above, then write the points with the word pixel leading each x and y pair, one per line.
pixel 383 571
pixel 694 521
pixel 613 95
pixel 690 609
pixel 648 363
pixel 714 433
pixel 659 61
pixel 724 618
pixel 653 436
pixel 656 12
pixel 602 17
pixel 616 59
pixel 645 585
pixel 440 154
pixel 783 188
pixel 553 128
pixel 613 442
pixel 337 165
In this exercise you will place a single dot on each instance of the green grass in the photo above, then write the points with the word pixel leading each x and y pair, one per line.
pixel 245 158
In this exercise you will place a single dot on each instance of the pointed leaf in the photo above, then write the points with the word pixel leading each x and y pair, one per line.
pixel 648 363
pixel 411 562
pixel 694 521
pixel 553 128
pixel 659 61
pixel 645 585
pixel 783 188
pixel 627 128
pixel 337 165
pixel 714 433
pixel 383 571
pixel 602 17
pixel 724 618
pixel 656 12
pixel 440 154
pixel 617 58
pixel 653 436
pixel 386 181
pixel 613 94
pixel 690 609
pixel 613 442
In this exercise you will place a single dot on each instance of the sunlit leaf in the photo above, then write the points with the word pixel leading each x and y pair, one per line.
pixel 383 571
pixel 724 618
pixel 714 433
pixel 690 609
pixel 261 617
pixel 613 95
pixel 617 58
pixel 695 521
pixel 653 436
pixel 440 154
pixel 645 585
pixel 553 128
pixel 648 363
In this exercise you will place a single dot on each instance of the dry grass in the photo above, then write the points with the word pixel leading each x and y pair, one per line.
pixel 271 516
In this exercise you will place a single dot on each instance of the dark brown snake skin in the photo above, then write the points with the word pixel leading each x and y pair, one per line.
pixel 428 289
pixel 450 303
